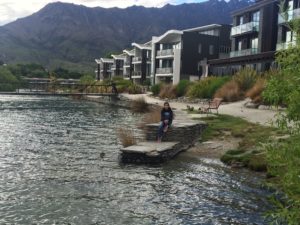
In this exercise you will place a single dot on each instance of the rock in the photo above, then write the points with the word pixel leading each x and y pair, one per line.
pixel 251 105
pixel 264 107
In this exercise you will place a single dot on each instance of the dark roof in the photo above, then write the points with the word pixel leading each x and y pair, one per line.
pixel 253 7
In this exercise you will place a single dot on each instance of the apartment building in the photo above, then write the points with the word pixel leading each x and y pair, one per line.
pixel 104 70
pixel 141 62
pixel 253 39
pixel 128 66
pixel 118 65
pixel 290 10
pixel 178 55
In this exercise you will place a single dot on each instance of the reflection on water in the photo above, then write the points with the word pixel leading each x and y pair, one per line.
pixel 51 172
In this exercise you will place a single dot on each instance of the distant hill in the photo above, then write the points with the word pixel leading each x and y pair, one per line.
pixel 72 36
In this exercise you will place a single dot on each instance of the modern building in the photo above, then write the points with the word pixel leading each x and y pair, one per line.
pixel 128 66
pixel 118 65
pixel 104 66
pixel 285 37
pixel 178 55
pixel 141 62
pixel 253 39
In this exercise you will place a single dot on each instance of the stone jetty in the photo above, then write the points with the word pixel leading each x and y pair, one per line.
pixel 182 135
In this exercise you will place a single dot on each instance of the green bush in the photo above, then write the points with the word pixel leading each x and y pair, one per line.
pixel 207 87
pixel 155 89
pixel 123 85
pixel 182 87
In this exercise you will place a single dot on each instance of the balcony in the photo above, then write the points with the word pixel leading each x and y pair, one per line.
pixel 165 52
pixel 127 64
pixel 288 16
pixel 136 59
pixel 244 52
pixel 167 70
pixel 244 28
pixel 285 45
pixel 137 74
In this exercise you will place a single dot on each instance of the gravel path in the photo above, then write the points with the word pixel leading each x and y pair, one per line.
pixel 263 117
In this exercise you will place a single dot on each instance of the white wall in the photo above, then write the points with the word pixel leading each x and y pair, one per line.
pixel 176 66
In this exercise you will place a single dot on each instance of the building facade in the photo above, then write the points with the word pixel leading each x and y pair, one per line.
pixel 253 39
pixel 128 66
pixel 286 37
pixel 118 65
pixel 104 68
pixel 178 55
pixel 141 62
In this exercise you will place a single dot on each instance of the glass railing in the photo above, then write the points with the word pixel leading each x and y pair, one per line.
pixel 137 73
pixel 136 59
pixel 167 70
pixel 165 52
pixel 249 51
pixel 127 64
pixel 243 28
pixel 285 45
pixel 288 16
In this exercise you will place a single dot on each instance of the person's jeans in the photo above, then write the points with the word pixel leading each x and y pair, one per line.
pixel 161 127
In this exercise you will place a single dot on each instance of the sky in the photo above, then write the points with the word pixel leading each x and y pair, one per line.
pixel 11 10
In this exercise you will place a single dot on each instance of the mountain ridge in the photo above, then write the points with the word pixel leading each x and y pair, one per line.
pixel 72 36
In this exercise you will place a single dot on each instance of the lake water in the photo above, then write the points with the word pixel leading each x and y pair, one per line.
pixel 52 172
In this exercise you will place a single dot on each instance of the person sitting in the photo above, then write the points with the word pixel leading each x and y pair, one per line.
pixel 166 120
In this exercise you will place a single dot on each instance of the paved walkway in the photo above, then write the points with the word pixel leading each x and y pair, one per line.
pixel 264 117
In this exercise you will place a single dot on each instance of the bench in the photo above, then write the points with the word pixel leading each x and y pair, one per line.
pixel 212 104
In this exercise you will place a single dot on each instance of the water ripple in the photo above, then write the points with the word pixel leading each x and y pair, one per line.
pixel 52 173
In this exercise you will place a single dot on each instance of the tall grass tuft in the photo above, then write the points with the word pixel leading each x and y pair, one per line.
pixel 126 137
pixel 229 92
pixel 245 78
pixel 255 93
pixel 167 91
pixel 139 105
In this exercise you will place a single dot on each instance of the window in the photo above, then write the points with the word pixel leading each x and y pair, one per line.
pixel 211 49
pixel 200 48
pixel 241 20
pixel 255 16
pixel 254 43
pixel 240 45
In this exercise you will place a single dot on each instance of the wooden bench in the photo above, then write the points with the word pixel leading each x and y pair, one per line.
pixel 212 104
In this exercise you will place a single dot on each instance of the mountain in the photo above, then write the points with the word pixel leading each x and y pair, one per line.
pixel 72 36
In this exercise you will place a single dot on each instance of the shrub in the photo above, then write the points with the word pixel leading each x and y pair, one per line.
pixel 229 92
pixel 245 78
pixel 167 91
pixel 135 89
pixel 139 105
pixel 182 87
pixel 155 89
pixel 126 137
pixel 206 88
pixel 123 85
pixel 255 93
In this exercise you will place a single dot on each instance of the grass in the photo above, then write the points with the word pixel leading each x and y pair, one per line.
pixel 126 137
pixel 252 136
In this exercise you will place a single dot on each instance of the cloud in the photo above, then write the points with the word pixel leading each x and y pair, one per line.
pixel 11 10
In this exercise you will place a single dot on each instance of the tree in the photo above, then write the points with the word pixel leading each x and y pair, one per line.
pixel 284 157
pixel 8 82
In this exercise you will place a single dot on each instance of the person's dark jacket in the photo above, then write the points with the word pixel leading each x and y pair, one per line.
pixel 166 115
